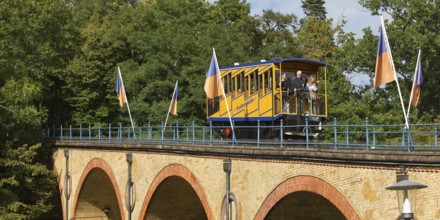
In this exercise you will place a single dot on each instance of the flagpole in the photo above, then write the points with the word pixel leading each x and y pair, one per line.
pixel 414 82
pixel 224 95
pixel 171 103
pixel 128 106
pixel 394 71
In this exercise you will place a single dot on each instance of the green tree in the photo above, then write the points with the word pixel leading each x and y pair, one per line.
pixel 314 8
pixel 414 26
pixel 155 43
pixel 230 11
pixel 36 43
pixel 316 38
pixel 91 76
pixel 277 35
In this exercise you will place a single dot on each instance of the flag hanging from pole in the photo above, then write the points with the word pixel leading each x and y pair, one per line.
pixel 120 90
pixel 213 84
pixel 384 71
pixel 173 108
pixel 416 85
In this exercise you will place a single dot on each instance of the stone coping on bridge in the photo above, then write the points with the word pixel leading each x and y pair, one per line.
pixel 393 158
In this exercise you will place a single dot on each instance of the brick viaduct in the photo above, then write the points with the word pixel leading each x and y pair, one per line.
pixel 188 182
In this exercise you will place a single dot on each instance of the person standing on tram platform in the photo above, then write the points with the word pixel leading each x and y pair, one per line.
pixel 312 88
pixel 285 91
pixel 297 88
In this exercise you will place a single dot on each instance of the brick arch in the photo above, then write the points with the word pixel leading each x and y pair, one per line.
pixel 309 184
pixel 98 163
pixel 180 171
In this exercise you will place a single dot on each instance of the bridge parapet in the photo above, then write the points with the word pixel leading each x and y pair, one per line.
pixel 423 137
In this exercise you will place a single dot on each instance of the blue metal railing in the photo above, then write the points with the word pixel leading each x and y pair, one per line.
pixel 424 137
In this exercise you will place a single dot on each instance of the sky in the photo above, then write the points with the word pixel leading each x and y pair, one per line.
pixel 356 16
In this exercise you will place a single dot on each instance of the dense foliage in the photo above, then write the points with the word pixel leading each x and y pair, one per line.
pixel 37 41
pixel 59 59
pixel 314 8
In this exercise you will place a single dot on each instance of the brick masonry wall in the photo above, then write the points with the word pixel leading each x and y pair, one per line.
pixel 357 190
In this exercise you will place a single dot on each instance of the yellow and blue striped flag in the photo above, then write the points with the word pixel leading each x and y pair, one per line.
pixel 213 83
pixel 120 90
pixel 173 108
pixel 384 70
pixel 416 85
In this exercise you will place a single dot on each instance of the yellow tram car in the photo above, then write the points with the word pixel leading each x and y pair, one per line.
pixel 254 93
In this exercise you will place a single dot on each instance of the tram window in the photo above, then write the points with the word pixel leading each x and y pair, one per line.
pixel 253 84
pixel 227 83
pixel 277 78
pixel 265 82
pixel 269 80
pixel 224 83
pixel 237 84
pixel 262 83
pixel 257 86
pixel 245 86
pixel 247 83
pixel 234 87
pixel 241 83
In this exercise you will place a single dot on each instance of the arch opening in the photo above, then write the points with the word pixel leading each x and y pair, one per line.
pixel 304 205
pixel 312 191
pixel 175 198
pixel 97 198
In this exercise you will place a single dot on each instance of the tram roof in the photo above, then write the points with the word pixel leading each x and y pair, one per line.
pixel 299 60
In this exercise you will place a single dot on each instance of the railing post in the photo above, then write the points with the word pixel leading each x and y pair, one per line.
pixel 435 137
pixel 194 134
pixel 410 141
pixel 210 133
pixel 61 132
pixel 335 133
pixel 174 133
pixel 307 132
pixel 402 145
pixel 347 139
pixel 374 138
pixel 403 138
pixel 99 132
pixel 258 133
pixel 233 134
pixel 161 138
pixel 187 133
pixel 129 134
pixel 149 132
pixel 80 132
pixel 177 131
pixel 70 133
pixel 109 132
pixel 203 131
pixel 366 134
pixel 281 132
pixel 90 133
pixel 140 133
pixel 120 132
pixel 54 132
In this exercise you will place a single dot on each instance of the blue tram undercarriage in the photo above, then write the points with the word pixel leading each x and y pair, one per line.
pixel 293 126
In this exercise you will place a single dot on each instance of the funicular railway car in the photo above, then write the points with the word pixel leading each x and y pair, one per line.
pixel 255 93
